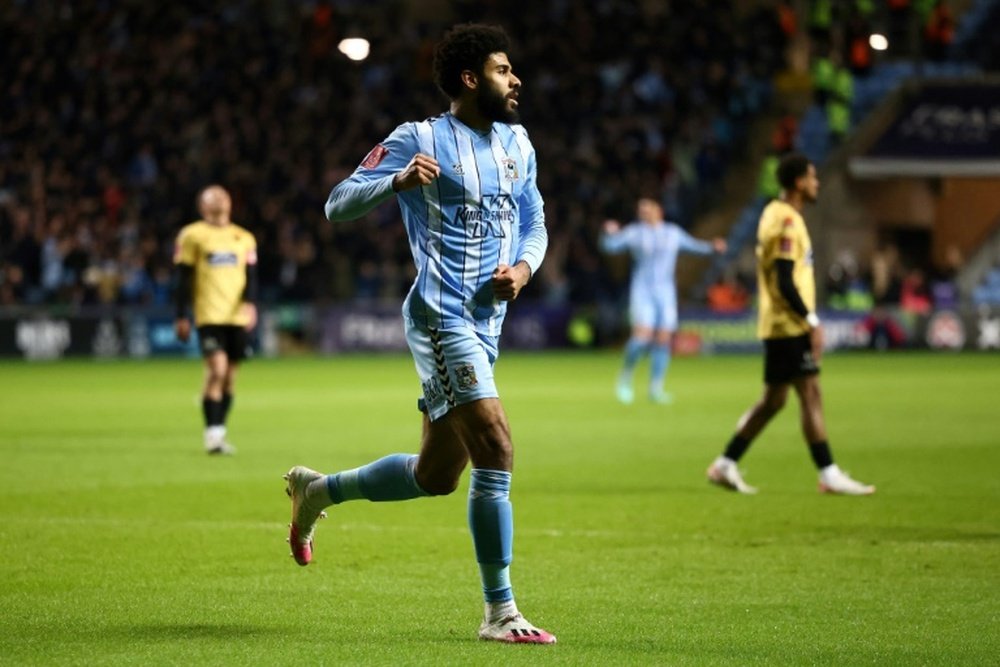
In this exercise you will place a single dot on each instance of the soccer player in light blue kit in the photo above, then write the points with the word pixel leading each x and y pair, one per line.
pixel 465 183
pixel 654 245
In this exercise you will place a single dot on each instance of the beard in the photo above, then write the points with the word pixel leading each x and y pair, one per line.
pixel 493 105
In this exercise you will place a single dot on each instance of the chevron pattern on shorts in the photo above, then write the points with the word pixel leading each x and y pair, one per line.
pixel 441 367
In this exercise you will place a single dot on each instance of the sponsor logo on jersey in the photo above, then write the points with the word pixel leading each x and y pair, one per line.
pixel 227 258
pixel 457 168
pixel 374 157
pixel 491 218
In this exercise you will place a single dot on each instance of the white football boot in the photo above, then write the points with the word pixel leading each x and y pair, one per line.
pixel 834 480
pixel 514 629
pixel 300 530
pixel 724 472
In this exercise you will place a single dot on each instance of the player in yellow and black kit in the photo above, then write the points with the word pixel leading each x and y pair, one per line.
pixel 791 331
pixel 217 270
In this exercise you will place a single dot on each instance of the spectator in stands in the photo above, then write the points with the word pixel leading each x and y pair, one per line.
pixel 885 273
pixel 823 70
pixel 767 180
pixel 727 295
pixel 846 289
pixel 914 293
pixel 115 113
pixel 883 331
pixel 838 106
pixel 944 289
pixel 939 30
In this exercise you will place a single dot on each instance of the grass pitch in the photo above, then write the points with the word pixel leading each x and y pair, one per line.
pixel 122 543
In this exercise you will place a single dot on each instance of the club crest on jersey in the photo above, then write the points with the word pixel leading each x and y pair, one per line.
pixel 457 168
pixel 374 157
pixel 465 376
pixel 509 169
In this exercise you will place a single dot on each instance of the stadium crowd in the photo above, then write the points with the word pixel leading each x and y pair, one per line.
pixel 116 114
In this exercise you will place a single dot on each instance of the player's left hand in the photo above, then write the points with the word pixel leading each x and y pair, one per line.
pixel 182 329
pixel 509 280
pixel 816 342
pixel 250 311
pixel 719 245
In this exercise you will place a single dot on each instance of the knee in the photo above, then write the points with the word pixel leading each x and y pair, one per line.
pixel 494 441
pixel 216 377
pixel 438 485
pixel 812 396
pixel 437 480
pixel 772 405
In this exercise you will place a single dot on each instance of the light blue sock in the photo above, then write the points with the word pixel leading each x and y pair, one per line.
pixel 491 520
pixel 634 349
pixel 390 478
pixel 659 362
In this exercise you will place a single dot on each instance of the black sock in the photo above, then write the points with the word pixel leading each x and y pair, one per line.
pixel 736 448
pixel 212 410
pixel 820 451
pixel 227 402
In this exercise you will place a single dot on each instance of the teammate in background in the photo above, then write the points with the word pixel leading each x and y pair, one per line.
pixel 466 186
pixel 792 334
pixel 217 270
pixel 654 245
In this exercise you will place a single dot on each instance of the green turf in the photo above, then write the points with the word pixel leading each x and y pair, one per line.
pixel 122 543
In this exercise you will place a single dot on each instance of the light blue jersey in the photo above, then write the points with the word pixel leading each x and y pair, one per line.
pixel 654 250
pixel 484 210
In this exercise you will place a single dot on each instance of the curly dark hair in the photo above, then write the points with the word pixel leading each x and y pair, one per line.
pixel 465 47
pixel 791 168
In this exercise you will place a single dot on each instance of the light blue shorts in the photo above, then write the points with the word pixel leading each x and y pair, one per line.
pixel 655 313
pixel 454 366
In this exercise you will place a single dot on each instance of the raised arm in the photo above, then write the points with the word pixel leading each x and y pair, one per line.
pixel 614 240
pixel 392 166
pixel 690 244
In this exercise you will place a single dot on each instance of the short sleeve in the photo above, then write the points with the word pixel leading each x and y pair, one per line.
pixel 788 240
pixel 186 248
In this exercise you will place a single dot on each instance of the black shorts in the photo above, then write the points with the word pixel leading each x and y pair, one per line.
pixel 786 359
pixel 231 339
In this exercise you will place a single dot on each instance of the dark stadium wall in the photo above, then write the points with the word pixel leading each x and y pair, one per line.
pixel 968 212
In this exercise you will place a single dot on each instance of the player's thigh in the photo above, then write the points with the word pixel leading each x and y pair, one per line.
pixel 477 430
pixel 237 343
pixel 665 314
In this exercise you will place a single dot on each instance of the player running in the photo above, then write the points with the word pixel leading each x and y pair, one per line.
pixel 465 183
